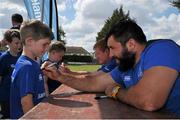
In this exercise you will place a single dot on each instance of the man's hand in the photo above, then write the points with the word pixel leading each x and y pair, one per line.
pixel 64 69
pixel 52 72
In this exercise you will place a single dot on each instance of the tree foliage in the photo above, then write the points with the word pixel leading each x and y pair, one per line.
pixel 62 35
pixel 176 3
pixel 118 15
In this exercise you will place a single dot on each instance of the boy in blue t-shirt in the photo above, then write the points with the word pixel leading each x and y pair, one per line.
pixel 55 55
pixel 102 54
pixel 7 63
pixel 27 85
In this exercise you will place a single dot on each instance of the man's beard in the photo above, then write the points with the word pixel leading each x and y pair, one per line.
pixel 127 60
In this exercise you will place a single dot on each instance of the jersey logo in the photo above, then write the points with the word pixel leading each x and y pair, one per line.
pixel 41 95
pixel 127 78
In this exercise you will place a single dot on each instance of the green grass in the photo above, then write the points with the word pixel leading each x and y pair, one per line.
pixel 84 67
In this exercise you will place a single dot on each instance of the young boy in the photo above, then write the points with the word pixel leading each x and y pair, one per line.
pixel 55 55
pixel 7 63
pixel 27 85
pixel 102 53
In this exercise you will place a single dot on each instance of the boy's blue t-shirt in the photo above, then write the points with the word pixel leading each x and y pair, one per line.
pixel 109 66
pixel 7 64
pixel 159 53
pixel 27 78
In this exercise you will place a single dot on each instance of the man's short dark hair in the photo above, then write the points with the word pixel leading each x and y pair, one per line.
pixel 125 30
pixel 17 18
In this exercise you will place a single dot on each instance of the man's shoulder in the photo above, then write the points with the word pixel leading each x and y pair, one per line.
pixel 160 42
pixel 161 53
pixel 160 46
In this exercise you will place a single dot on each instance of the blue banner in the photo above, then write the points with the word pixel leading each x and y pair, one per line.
pixel 34 8
pixel 55 26
pixel 46 11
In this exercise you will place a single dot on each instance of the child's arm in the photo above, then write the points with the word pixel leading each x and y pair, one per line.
pixel 27 103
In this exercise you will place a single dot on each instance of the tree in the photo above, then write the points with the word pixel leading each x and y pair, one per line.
pixel 118 15
pixel 62 34
pixel 176 3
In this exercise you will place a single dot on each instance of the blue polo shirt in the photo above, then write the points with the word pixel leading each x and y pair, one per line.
pixel 7 64
pixel 159 53
pixel 109 66
pixel 27 78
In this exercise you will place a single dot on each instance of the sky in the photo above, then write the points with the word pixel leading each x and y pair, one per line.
pixel 82 19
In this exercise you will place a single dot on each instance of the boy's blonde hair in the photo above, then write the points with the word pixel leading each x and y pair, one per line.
pixel 35 29
pixel 102 45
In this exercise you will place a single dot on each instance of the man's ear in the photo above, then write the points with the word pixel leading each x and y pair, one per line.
pixel 131 44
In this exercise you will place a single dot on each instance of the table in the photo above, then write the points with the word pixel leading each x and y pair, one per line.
pixel 68 103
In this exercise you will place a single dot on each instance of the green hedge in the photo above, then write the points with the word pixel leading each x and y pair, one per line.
pixel 76 58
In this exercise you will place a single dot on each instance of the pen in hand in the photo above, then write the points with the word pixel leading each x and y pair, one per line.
pixel 101 97
pixel 50 65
